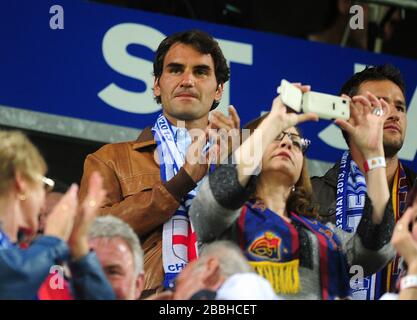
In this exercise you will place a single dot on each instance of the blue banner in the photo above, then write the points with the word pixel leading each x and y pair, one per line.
pixel 88 61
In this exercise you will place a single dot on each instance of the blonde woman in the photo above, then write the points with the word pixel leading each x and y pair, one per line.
pixel 22 194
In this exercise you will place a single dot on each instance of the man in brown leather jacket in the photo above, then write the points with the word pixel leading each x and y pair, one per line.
pixel 190 71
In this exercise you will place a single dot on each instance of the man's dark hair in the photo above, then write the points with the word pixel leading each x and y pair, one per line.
pixel 378 73
pixel 200 41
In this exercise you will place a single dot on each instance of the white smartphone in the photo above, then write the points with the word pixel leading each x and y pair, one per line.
pixel 326 106
pixel 290 95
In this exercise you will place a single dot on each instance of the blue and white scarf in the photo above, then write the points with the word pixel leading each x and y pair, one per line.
pixel 350 195
pixel 178 238
pixel 350 201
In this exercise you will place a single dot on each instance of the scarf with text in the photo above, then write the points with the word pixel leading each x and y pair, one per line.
pixel 178 237
pixel 350 201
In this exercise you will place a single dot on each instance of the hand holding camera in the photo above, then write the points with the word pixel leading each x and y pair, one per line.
pixel 326 106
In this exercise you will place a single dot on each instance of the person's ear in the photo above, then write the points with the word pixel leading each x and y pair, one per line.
pixel 20 183
pixel 140 283
pixel 156 88
pixel 219 92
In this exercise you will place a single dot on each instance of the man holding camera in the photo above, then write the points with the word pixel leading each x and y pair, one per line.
pixel 341 192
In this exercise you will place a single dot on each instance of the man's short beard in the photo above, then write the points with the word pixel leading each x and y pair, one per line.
pixel 392 148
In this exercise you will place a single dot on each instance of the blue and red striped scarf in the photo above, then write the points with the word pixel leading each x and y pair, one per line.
pixel 272 246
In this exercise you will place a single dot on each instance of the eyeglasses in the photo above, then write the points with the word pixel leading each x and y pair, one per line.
pixel 298 142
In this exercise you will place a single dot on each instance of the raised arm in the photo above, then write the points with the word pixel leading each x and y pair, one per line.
pixel 365 130
pixel 222 195
pixel 249 155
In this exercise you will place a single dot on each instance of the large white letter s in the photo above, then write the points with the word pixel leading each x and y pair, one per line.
pixel 115 42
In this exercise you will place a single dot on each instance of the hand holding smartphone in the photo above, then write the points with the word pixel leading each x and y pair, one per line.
pixel 326 106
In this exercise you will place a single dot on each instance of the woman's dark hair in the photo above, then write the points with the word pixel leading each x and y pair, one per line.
pixel 200 41
pixel 299 201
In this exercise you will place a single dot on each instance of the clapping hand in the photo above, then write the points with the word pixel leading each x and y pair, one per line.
pixel 226 133
pixel 404 238
pixel 86 213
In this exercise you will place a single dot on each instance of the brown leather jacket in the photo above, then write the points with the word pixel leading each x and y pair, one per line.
pixel 136 195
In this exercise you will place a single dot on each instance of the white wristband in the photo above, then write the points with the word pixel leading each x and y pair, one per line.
pixel 409 281
pixel 373 163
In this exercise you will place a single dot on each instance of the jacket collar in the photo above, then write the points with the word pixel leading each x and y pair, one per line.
pixel 145 139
